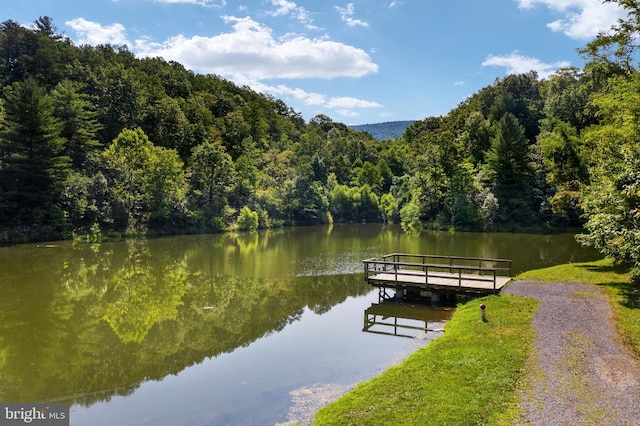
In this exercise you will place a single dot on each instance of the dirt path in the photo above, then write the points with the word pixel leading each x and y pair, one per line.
pixel 581 374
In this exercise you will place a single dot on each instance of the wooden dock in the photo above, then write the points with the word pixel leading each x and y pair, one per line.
pixel 438 274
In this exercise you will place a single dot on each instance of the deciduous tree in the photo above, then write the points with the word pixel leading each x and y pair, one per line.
pixel 211 177
pixel 146 183
pixel 612 200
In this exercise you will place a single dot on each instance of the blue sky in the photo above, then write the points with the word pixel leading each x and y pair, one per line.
pixel 355 61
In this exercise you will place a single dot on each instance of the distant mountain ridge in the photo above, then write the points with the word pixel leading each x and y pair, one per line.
pixel 386 130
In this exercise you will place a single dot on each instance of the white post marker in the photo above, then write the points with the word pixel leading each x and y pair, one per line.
pixel 482 312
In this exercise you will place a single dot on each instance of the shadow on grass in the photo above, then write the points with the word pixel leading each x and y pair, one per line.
pixel 628 292
pixel 615 269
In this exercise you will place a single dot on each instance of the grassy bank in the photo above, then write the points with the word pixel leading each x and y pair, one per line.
pixel 471 374
pixel 468 376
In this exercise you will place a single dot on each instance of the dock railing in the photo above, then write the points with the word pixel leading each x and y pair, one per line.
pixel 404 265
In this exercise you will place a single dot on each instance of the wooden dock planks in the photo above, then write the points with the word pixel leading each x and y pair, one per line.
pixel 444 276
pixel 463 283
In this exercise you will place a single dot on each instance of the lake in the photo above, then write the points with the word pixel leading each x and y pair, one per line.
pixel 236 329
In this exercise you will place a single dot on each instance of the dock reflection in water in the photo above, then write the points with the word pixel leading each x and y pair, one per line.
pixel 400 318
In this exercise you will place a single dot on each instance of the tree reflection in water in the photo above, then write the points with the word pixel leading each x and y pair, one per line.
pixel 83 323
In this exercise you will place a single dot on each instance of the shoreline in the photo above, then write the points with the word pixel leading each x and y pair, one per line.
pixel 429 393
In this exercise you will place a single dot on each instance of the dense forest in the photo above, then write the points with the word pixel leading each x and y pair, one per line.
pixel 94 142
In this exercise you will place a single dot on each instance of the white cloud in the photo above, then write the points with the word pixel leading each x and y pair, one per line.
pixel 518 64
pixel 347 113
pixel 300 95
pixel 250 51
pixel 346 14
pixel 583 19
pixel 312 98
pixel 206 3
pixel 347 102
pixel 286 7
pixel 94 34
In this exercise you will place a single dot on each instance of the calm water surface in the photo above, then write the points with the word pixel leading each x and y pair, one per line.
pixel 250 329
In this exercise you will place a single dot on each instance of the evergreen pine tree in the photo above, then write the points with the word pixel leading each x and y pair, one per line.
pixel 78 120
pixel 34 165
pixel 509 170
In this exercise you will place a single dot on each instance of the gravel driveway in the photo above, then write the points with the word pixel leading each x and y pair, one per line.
pixel 581 373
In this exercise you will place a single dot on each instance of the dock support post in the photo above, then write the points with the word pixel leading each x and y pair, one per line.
pixel 450 298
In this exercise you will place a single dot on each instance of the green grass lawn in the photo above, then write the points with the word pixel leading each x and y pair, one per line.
pixel 472 374
pixel 467 376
